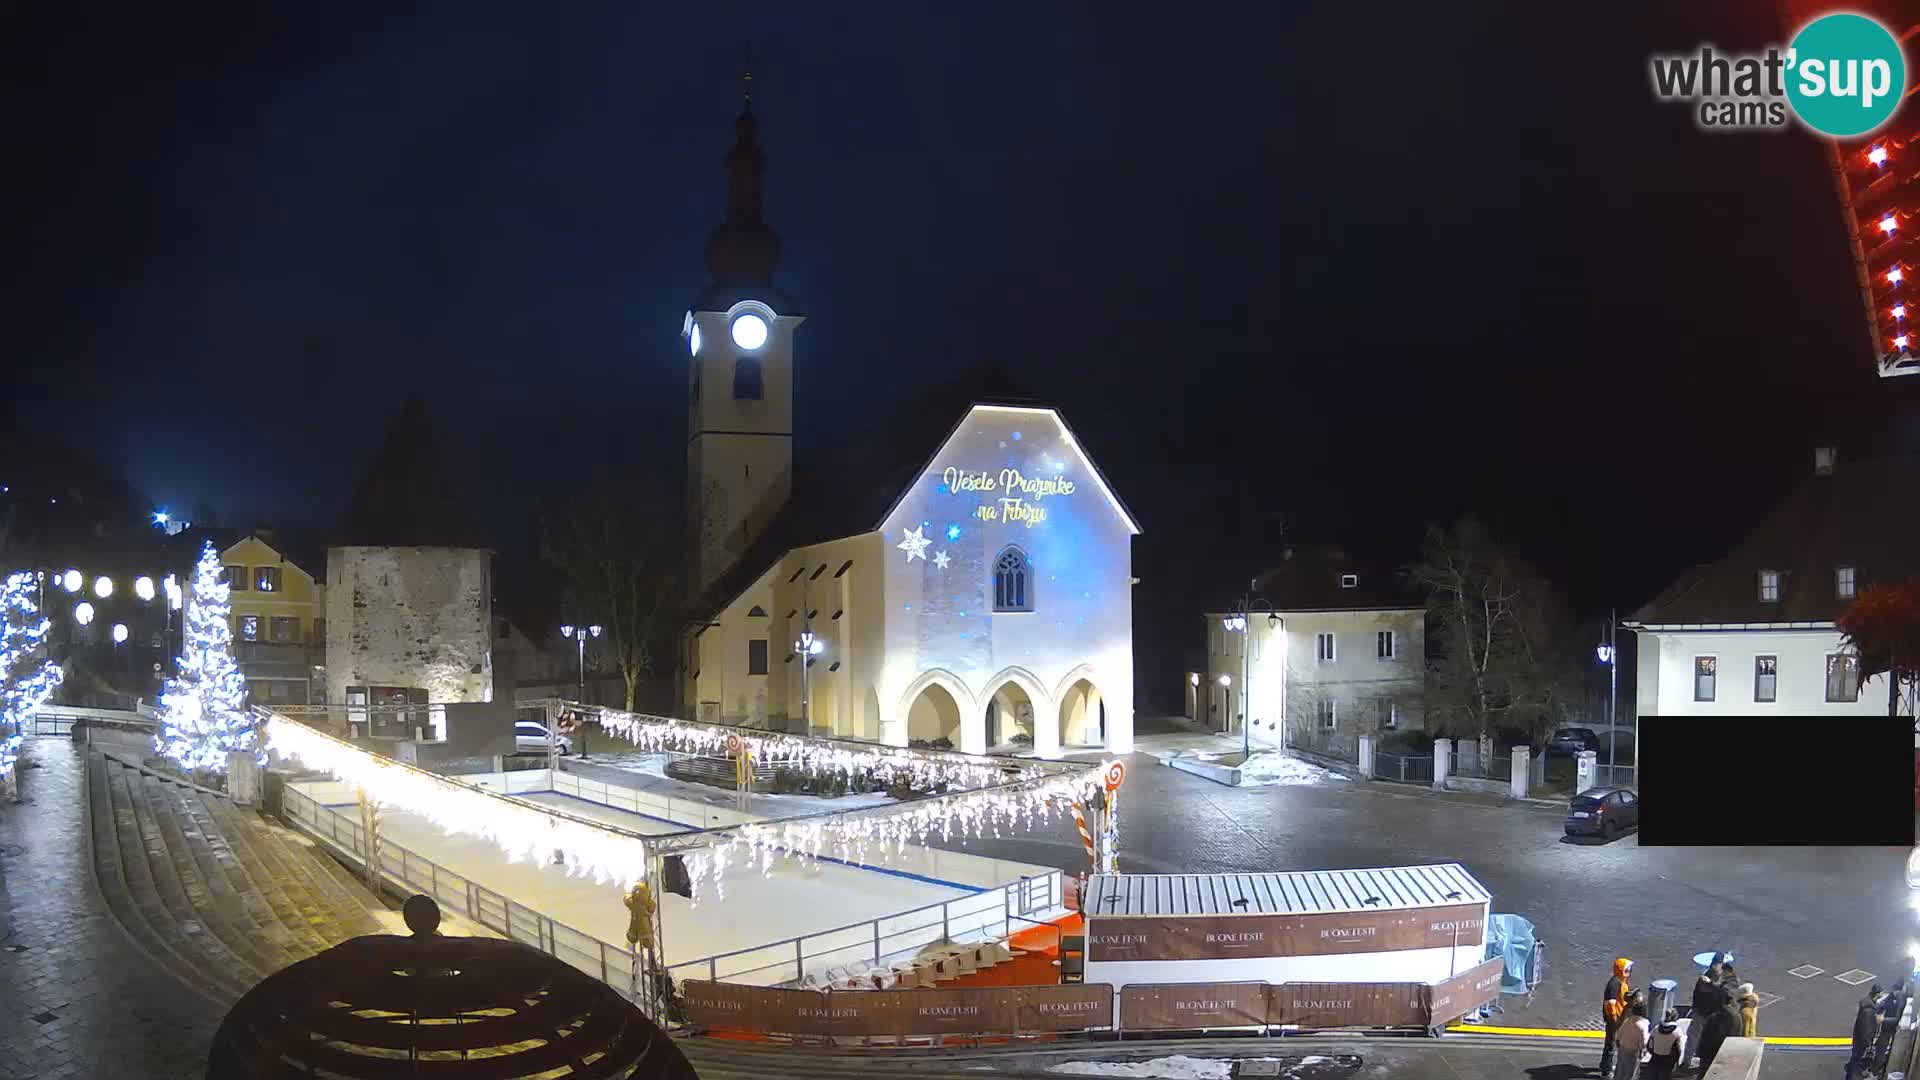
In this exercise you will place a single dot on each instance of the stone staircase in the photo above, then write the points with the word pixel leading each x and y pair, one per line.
pixel 213 891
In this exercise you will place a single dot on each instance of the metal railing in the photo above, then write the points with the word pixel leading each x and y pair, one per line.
pixel 615 965
pixel 57 720
pixel 1404 768
pixel 1615 776
pixel 1474 765
pixel 988 915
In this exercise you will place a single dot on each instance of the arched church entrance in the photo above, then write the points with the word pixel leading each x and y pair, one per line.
pixel 1010 716
pixel 933 716
pixel 1083 716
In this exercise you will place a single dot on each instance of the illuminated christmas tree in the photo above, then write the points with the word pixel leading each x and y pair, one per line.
pixel 203 711
pixel 27 675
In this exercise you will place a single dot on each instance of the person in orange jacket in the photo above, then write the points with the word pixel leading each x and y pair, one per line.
pixel 1613 1009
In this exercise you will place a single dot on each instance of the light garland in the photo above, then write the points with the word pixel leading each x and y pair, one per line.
pixel 203 708
pixel 523 830
pixel 22 629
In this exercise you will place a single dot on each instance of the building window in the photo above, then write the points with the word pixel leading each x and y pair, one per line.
pixel 266 579
pixel 1843 582
pixel 1012 581
pixel 1389 714
pixel 249 628
pixel 1843 677
pixel 1770 586
pixel 757 656
pixel 1349 581
pixel 1329 714
pixel 285 629
pixel 319 631
pixel 1704 668
pixel 236 577
pixel 1766 678
pixel 693 395
pixel 747 384
pixel 1323 647
pixel 1383 644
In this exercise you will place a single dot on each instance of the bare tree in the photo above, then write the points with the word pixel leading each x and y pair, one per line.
pixel 619 555
pixel 1495 633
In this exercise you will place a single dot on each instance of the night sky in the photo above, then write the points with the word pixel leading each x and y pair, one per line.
pixel 1340 267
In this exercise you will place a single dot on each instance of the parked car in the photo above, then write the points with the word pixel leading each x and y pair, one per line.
pixel 1605 812
pixel 1569 741
pixel 530 737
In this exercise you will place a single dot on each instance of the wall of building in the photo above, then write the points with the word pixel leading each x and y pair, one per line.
pixel 1284 681
pixel 1666 672
pixel 410 617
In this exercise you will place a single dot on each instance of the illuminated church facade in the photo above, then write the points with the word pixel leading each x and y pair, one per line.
pixel 963 576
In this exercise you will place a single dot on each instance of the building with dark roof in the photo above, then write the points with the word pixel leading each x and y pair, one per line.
pixel 279 614
pixel 960 573
pixel 1325 648
pixel 1754 632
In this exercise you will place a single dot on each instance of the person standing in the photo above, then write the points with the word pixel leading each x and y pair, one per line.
pixel 1749 1003
pixel 1633 1037
pixel 1891 1008
pixel 1706 998
pixel 1866 1025
pixel 1666 1046
pixel 1723 1021
pixel 1613 1010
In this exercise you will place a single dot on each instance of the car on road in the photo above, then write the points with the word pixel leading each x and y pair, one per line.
pixel 1569 741
pixel 1605 812
pixel 530 737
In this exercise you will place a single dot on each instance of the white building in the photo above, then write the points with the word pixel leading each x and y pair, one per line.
pixel 1754 632
pixel 1338 650
pixel 965 572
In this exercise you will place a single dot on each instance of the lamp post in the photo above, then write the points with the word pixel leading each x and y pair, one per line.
pixel 580 634
pixel 1611 658
pixel 1239 622
pixel 807 647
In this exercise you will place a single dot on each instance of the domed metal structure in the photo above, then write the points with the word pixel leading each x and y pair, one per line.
pixel 431 1006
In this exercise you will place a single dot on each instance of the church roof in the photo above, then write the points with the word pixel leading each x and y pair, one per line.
pixel 854 489
pixel 1861 515
pixel 1319 581
pixel 407 498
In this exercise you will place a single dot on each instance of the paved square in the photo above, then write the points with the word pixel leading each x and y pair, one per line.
pixel 1766 999
pixel 1806 971
pixel 1854 977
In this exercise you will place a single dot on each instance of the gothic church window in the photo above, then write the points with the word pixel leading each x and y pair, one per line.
pixel 1012 581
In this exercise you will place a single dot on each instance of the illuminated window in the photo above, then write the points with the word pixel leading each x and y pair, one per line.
pixel 285 629
pixel 746 379
pixel 1766 678
pixel 1704 670
pixel 266 578
pixel 1843 582
pixel 249 628
pixel 1323 647
pixel 757 656
pixel 1389 714
pixel 1012 581
pixel 1769 586
pixel 236 577
pixel 1349 581
pixel 1383 644
pixel 1329 714
pixel 1843 677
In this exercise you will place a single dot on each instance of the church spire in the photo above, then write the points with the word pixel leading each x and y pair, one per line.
pixel 744 250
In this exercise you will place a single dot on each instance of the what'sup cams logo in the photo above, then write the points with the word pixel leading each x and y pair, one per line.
pixel 1843 75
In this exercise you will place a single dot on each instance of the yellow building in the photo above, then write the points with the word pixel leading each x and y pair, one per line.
pixel 279 621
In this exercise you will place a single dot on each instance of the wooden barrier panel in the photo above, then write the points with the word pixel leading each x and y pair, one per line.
pixel 1112 938
pixel 1450 1000
pixel 969 1011
pixel 1062 1008
pixel 1188 1006
pixel 1343 1005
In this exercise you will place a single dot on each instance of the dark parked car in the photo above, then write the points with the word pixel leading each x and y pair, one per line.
pixel 1605 812
pixel 1569 741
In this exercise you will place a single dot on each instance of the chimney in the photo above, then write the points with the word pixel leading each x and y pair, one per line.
pixel 1823 457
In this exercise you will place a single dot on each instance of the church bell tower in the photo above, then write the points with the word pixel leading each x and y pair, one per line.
pixel 739 338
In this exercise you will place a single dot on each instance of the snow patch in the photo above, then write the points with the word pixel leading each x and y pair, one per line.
pixel 1178 1067
pixel 1272 768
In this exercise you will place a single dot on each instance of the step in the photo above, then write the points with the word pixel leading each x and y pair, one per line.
pixel 110 877
pixel 143 897
pixel 228 912
pixel 274 888
pixel 342 910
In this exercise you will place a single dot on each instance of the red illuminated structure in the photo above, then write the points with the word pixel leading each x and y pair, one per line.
pixel 1878 177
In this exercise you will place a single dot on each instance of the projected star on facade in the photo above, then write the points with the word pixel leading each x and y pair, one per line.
pixel 916 543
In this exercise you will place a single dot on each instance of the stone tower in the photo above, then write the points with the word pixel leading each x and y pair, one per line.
pixel 739 337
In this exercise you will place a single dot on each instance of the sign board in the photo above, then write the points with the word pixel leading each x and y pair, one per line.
pixel 1450 1000
pixel 1121 938
pixel 1191 1006
pixel 898 1012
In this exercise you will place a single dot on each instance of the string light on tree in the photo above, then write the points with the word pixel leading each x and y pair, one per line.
pixel 203 709
pixel 27 675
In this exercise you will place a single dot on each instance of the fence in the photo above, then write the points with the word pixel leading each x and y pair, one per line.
pixel 1467 761
pixel 1404 768
pixel 1340 745
pixel 1615 776
pixel 57 720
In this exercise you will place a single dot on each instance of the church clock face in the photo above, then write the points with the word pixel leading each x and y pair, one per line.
pixel 749 331
pixel 693 339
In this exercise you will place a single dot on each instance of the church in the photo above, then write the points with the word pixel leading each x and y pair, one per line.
pixel 962 577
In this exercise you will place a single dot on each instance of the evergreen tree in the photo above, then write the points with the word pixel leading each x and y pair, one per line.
pixel 27 676
pixel 203 713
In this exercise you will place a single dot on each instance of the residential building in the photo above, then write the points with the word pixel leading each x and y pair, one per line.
pixel 961 574
pixel 279 614
pixel 1337 649
pixel 1754 632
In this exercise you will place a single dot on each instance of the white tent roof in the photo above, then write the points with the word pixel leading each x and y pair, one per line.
pixel 1301 892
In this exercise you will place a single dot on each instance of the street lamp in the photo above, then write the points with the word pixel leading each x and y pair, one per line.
pixel 103 586
pixel 143 587
pixel 1610 656
pixel 580 634
pixel 1237 623
pixel 808 647
pixel 83 613
pixel 71 581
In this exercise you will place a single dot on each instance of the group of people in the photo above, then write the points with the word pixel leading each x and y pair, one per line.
pixel 1722 1006
pixel 1874 1022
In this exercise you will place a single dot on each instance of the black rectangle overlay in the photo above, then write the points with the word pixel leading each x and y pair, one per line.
pixel 1777 781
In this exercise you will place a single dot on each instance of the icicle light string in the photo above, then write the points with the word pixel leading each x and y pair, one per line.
pixel 22 633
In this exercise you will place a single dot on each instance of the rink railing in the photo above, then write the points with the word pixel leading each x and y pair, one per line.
pixel 987 915
pixel 412 872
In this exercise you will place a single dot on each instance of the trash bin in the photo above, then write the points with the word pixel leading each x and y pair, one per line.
pixel 1661 994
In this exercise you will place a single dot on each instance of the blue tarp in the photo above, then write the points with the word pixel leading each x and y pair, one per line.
pixel 1510 938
